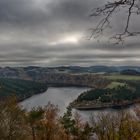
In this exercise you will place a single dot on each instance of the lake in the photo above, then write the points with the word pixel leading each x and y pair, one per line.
pixel 62 96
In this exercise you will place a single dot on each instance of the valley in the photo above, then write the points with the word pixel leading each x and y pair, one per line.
pixel 110 87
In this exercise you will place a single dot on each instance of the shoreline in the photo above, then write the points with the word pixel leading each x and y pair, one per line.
pixel 29 96
pixel 102 106
pixel 57 86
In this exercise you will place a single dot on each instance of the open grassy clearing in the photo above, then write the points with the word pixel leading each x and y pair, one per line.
pixel 115 85
pixel 122 77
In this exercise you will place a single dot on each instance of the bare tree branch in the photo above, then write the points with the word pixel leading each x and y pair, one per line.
pixel 107 11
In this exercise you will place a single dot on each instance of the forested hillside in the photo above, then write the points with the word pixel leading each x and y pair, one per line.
pixel 115 95
pixel 21 88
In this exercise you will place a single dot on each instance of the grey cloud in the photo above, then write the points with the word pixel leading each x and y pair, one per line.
pixel 27 27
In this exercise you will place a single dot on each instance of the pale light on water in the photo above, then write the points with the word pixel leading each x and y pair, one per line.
pixel 60 96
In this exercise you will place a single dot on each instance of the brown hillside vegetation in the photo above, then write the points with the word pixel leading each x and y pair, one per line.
pixel 45 124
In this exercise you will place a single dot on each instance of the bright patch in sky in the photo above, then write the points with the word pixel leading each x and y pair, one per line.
pixel 70 40
pixel 66 40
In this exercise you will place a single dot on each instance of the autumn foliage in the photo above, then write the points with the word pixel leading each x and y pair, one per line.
pixel 46 124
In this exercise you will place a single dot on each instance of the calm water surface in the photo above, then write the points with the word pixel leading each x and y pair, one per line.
pixel 62 96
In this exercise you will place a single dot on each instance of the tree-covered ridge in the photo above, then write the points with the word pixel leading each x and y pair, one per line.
pixel 109 94
pixel 21 88
pixel 115 94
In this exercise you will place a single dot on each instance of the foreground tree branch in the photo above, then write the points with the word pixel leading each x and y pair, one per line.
pixel 132 8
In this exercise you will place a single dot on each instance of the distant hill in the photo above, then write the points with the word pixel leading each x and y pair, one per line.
pixel 96 69
pixel 130 72
pixel 36 73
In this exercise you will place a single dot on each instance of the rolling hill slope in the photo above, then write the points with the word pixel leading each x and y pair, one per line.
pixel 21 88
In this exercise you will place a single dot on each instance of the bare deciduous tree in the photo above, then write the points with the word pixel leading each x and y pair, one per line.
pixel 106 13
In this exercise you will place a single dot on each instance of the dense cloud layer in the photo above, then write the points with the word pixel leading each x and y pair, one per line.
pixel 53 32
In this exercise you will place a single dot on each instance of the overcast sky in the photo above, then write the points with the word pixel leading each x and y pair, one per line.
pixel 53 32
